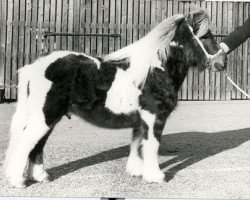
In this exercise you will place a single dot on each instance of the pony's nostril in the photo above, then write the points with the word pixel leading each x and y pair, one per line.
pixel 219 66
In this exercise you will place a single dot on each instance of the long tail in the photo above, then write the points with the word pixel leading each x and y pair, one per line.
pixel 19 119
pixel 23 86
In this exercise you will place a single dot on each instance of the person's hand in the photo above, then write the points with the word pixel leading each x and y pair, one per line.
pixel 224 47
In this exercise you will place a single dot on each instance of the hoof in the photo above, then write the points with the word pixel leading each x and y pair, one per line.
pixel 153 176
pixel 17 183
pixel 43 178
pixel 134 167
pixel 6 170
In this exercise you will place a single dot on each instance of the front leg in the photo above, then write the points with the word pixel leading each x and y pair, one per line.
pixel 134 163
pixel 150 145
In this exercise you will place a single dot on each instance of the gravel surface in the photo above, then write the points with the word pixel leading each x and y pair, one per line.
pixel 205 153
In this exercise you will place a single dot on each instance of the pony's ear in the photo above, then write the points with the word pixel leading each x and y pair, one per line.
pixel 188 16
pixel 179 21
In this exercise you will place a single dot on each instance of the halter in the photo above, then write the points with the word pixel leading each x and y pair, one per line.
pixel 209 56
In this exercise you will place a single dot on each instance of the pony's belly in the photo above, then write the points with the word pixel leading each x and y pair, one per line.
pixel 103 117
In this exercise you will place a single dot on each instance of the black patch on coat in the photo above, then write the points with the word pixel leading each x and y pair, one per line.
pixel 36 155
pixel 140 131
pixel 80 87
pixel 73 78
pixel 97 114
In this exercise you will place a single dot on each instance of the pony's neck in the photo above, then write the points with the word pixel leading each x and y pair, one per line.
pixel 176 67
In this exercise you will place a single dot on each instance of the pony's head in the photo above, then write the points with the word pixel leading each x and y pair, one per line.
pixel 199 45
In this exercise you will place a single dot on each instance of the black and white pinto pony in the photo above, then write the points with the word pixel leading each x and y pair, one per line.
pixel 136 86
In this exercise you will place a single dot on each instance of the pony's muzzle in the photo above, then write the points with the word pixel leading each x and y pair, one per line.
pixel 219 62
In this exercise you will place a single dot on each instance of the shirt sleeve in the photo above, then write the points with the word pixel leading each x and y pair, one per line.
pixel 238 36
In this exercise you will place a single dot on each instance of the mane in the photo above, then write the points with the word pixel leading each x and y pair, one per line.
pixel 147 53
pixel 199 20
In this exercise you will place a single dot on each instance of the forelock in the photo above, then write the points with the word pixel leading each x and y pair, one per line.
pixel 199 20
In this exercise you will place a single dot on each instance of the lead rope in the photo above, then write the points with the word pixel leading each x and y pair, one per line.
pixel 209 56
pixel 236 86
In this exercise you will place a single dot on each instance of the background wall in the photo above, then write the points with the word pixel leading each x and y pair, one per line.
pixel 23 25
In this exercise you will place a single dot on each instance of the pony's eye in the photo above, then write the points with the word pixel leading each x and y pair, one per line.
pixel 204 37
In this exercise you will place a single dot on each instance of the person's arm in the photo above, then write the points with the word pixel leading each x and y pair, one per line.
pixel 236 38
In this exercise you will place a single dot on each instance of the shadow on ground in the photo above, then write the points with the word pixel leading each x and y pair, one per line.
pixel 187 149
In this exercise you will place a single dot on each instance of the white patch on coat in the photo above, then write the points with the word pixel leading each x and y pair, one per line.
pixel 123 95
pixel 97 62
pixel 175 44
pixel 134 163
pixel 151 171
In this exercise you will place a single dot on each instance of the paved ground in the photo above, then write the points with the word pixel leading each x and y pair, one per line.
pixel 205 153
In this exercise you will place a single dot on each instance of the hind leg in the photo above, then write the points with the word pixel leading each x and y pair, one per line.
pixel 34 131
pixel 36 170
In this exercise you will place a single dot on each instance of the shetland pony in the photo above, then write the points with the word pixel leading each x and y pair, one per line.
pixel 135 87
